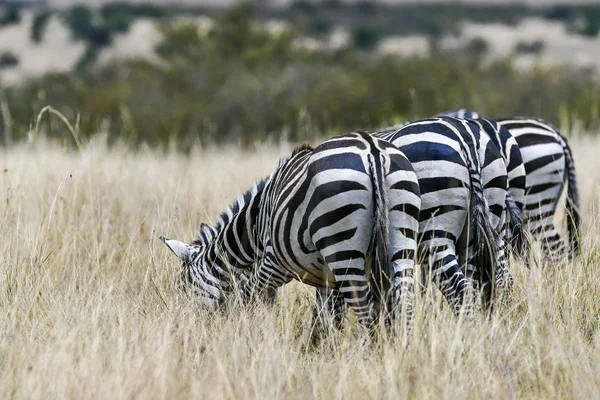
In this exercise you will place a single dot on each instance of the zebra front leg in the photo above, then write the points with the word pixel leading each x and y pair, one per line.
pixel 265 280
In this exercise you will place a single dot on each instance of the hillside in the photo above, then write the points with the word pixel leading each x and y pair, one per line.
pixel 40 40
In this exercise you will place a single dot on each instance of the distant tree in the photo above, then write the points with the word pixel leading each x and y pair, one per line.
pixel 8 60
pixel 80 21
pixel 561 13
pixel 366 8
pixel 304 7
pixel 38 26
pixel 366 37
pixel 477 47
pixel 592 21
pixel 319 26
pixel 534 47
pixel 119 16
pixel 333 4
pixel 10 16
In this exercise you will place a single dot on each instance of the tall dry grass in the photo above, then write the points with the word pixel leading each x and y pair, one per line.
pixel 88 307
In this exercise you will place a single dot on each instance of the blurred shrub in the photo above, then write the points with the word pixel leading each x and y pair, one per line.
pixel 318 27
pixel 303 7
pixel 10 16
pixel 8 59
pixel 561 13
pixel 477 47
pixel 239 83
pixel 38 26
pixel 83 27
pixel 534 47
pixel 119 16
pixel 366 37
pixel 97 27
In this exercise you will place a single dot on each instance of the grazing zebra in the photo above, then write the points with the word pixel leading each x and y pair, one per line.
pixel 506 144
pixel 447 159
pixel 548 164
pixel 449 163
pixel 342 216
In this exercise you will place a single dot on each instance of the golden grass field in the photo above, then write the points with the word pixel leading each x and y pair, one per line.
pixel 88 306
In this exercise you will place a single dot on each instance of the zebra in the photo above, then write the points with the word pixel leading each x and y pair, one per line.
pixel 447 159
pixel 343 215
pixel 548 163
pixel 510 152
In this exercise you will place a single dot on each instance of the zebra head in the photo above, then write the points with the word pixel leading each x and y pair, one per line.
pixel 198 275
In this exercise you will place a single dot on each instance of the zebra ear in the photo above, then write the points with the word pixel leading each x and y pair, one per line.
pixel 180 249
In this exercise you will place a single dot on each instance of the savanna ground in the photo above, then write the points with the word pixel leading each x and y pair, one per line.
pixel 89 309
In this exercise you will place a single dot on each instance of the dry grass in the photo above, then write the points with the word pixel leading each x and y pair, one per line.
pixel 88 307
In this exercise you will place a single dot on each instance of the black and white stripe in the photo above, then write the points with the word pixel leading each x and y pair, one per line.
pixel 448 158
pixel 342 216
pixel 549 165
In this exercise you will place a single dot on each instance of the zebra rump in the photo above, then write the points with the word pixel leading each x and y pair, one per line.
pixel 433 145
pixel 509 149
pixel 543 145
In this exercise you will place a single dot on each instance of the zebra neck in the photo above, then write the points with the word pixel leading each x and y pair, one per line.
pixel 237 244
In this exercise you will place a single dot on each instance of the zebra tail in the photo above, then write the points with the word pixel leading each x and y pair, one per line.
pixel 573 213
pixel 381 265
pixel 518 241
pixel 483 235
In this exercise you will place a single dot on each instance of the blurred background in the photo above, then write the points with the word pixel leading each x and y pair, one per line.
pixel 172 74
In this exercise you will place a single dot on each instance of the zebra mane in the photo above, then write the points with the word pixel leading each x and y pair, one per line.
pixel 207 233
pixel 298 149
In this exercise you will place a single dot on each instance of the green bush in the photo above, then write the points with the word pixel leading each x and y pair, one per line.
pixel 10 16
pixel 8 60
pixel 38 26
pixel 239 83
pixel 318 27
pixel 534 47
pixel 366 37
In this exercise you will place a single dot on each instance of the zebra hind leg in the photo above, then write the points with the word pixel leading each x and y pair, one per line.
pixel 457 289
pixel 328 313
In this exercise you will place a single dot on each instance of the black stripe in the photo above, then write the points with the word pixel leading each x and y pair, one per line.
pixel 539 204
pixel 540 162
pixel 437 233
pixel 407 254
pixel 348 271
pixel 335 238
pixel 533 139
pixel 408 186
pixel 430 185
pixel 344 255
pixel 408 209
pixel 332 217
pixel 437 211
pixel 341 143
pixel 498 182
pixel 497 209
pixel 518 182
pixel 542 187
